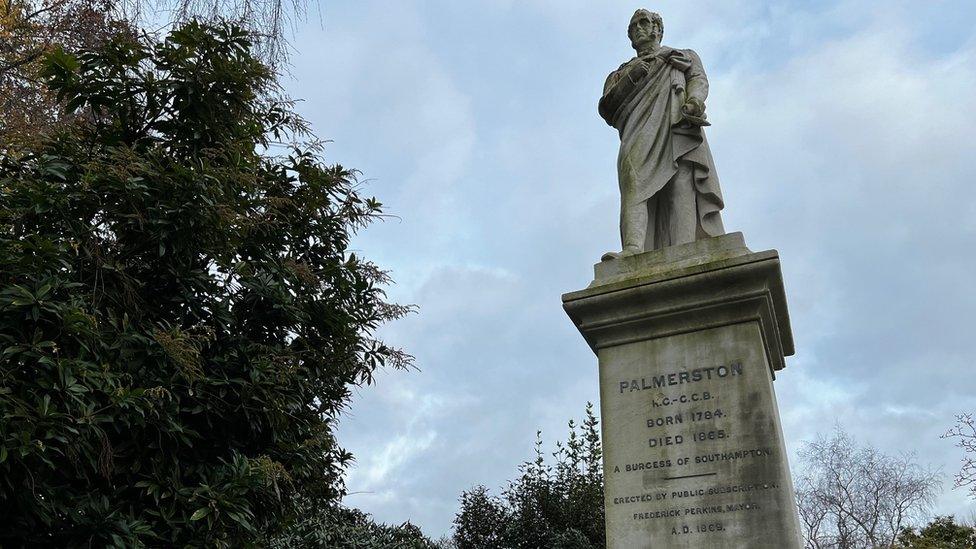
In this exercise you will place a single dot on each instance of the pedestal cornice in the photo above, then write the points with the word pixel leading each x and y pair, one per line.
pixel 705 284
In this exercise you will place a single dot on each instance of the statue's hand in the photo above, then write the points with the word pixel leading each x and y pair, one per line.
pixel 693 107
pixel 638 71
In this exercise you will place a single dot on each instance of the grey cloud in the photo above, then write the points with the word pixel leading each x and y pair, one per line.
pixel 840 136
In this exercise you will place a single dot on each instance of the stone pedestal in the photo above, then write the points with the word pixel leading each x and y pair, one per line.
pixel 689 339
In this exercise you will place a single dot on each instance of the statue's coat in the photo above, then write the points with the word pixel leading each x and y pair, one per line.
pixel 654 134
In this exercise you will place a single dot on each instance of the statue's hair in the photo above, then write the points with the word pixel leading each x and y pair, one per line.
pixel 655 18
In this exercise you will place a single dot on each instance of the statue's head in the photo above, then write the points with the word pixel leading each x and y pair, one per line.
pixel 646 28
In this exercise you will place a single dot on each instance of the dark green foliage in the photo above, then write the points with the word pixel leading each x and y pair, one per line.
pixel 941 533
pixel 342 528
pixel 556 506
pixel 180 317
pixel 482 520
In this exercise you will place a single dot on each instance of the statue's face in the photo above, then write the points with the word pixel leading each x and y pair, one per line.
pixel 643 31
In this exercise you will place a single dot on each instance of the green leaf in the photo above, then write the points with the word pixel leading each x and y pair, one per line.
pixel 214 306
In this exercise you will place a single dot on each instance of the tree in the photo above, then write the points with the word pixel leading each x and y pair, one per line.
pixel 342 528
pixel 965 434
pixel 30 29
pixel 855 497
pixel 482 520
pixel 548 506
pixel 941 533
pixel 180 316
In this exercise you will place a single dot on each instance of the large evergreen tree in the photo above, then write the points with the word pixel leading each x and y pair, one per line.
pixel 549 506
pixel 180 316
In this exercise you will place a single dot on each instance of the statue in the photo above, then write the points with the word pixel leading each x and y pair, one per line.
pixel 669 192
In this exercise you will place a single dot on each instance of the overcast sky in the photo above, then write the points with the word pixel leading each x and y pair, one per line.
pixel 843 136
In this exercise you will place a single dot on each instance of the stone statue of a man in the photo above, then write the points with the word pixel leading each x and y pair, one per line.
pixel 669 191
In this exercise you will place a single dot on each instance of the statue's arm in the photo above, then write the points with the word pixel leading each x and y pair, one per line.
pixel 613 94
pixel 696 81
pixel 617 87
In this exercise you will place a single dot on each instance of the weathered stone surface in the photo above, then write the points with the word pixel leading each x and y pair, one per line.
pixel 671 258
pixel 669 189
pixel 688 340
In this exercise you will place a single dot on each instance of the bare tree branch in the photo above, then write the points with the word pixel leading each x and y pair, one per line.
pixel 964 432
pixel 855 497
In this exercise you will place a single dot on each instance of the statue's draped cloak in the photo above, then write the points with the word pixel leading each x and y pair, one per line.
pixel 654 135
